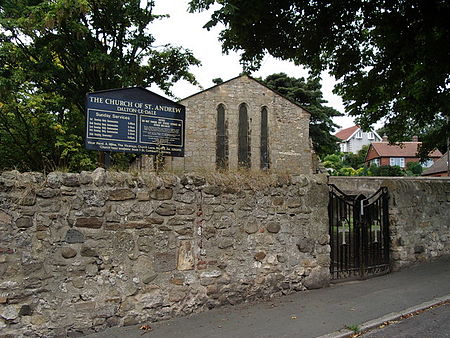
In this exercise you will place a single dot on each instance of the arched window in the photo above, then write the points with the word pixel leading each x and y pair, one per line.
pixel 221 139
pixel 243 138
pixel 265 162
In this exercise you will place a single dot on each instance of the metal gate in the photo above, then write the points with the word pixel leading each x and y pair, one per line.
pixel 359 234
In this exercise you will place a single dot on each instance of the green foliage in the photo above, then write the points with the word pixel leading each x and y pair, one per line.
pixel 356 161
pixel 308 93
pixel 354 328
pixel 333 161
pixel 52 52
pixel 217 80
pixel 390 57
pixel 347 172
pixel 413 169
pixel 385 170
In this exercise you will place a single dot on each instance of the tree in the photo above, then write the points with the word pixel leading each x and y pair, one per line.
pixel 52 52
pixel 357 160
pixel 390 57
pixel 414 169
pixel 217 80
pixel 308 94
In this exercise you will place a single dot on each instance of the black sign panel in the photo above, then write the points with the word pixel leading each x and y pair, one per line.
pixel 134 120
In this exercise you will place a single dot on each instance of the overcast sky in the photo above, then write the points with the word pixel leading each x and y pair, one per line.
pixel 185 29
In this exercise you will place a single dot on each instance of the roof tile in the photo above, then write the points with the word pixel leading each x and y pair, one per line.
pixel 344 134
pixel 405 149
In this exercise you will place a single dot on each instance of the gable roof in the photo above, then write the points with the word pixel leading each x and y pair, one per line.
pixel 439 166
pixel 251 78
pixel 405 149
pixel 346 133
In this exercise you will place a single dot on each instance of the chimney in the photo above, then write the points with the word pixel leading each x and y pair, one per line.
pixel 415 139
pixel 385 138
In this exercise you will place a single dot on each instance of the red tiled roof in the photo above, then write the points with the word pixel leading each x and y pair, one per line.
pixel 344 134
pixel 405 149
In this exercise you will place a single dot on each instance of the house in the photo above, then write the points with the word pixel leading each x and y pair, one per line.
pixel 353 139
pixel 241 123
pixel 439 167
pixel 383 154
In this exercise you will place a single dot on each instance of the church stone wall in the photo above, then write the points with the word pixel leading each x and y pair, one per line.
pixel 82 252
pixel 288 125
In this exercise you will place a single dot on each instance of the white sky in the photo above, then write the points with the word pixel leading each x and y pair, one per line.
pixel 185 29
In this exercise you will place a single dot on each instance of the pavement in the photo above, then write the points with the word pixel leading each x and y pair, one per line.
pixel 315 313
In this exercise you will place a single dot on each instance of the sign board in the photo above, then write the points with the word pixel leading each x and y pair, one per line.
pixel 134 120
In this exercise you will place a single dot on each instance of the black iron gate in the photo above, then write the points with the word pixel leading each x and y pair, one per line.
pixel 359 234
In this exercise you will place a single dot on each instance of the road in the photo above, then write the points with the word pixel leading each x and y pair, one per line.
pixel 431 323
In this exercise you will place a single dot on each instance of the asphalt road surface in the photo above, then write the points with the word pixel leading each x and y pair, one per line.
pixel 433 323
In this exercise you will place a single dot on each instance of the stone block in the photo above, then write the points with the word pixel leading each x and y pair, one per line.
pixel 68 252
pixel 318 278
pixel 166 209
pixel 99 177
pixel 121 194
pixel 70 180
pixel 137 225
pixel 178 221
pixel 143 196
pixel 9 312
pixel 176 296
pixel 277 201
pixel 305 245
pixel 123 242
pixel 24 222
pixel 273 227
pixel 28 199
pixel 5 218
pixel 155 220
pixel 161 194
pixel 185 210
pixel 185 259
pixel 89 222
pixel 54 180
pixel 165 261
pixel 74 236
pixel 47 192
pixel 95 198
pixel 251 227
pixel 225 243
pixel 259 256
pixel 25 310
pixel 150 277
pixel 87 251
pixel 212 190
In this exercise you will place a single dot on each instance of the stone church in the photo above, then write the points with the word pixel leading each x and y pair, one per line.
pixel 241 123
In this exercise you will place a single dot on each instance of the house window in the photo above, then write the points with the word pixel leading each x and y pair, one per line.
pixel 398 161
pixel 375 161
pixel 264 139
pixel 359 134
pixel 427 163
pixel 221 139
pixel 243 138
pixel 370 135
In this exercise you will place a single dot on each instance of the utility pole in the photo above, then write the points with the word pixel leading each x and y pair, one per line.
pixel 448 146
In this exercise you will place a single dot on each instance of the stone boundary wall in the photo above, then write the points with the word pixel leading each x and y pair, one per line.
pixel 81 252
pixel 419 214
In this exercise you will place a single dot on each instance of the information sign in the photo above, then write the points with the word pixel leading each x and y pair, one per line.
pixel 134 120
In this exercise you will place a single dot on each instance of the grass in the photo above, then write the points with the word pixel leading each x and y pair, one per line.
pixel 353 328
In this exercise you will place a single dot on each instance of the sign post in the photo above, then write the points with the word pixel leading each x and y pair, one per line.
pixel 134 120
